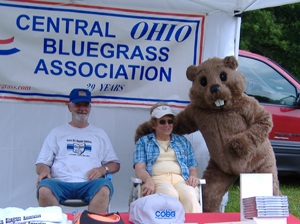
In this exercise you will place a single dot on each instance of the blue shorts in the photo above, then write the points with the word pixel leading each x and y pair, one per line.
pixel 79 190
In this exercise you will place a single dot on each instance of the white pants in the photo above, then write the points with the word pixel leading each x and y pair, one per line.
pixel 175 186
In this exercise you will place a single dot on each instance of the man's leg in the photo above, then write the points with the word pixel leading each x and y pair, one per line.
pixel 100 201
pixel 46 197
pixel 50 192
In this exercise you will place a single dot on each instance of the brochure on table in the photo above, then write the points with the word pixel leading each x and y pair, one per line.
pixel 257 185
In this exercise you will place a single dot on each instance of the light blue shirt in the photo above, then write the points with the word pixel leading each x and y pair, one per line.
pixel 147 151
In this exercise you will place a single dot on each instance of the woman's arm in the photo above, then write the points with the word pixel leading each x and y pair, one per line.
pixel 193 178
pixel 141 173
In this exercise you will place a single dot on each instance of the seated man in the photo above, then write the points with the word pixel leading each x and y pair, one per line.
pixel 74 160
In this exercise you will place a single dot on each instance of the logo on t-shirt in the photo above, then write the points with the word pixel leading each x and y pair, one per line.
pixel 78 146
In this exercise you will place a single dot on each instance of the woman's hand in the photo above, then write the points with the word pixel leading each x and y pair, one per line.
pixel 193 181
pixel 148 186
pixel 141 173
pixel 193 178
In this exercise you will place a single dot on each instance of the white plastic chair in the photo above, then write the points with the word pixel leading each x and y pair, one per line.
pixel 137 186
pixel 80 203
pixel 224 202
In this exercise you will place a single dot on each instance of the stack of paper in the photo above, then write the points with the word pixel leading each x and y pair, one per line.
pixel 266 206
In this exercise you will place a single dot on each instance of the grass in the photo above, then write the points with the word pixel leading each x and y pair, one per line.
pixel 289 185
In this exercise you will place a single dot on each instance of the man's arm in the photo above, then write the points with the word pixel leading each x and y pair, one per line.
pixel 113 167
pixel 98 172
pixel 43 171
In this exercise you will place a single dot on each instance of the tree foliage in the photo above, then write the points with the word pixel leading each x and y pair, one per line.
pixel 274 33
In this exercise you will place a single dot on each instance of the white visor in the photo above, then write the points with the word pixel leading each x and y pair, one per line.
pixel 161 111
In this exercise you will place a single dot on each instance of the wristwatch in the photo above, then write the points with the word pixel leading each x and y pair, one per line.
pixel 106 168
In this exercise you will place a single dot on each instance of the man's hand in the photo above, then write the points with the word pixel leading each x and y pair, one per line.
pixel 96 173
pixel 41 177
pixel 43 171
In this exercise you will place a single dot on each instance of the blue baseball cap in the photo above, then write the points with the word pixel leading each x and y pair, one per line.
pixel 80 95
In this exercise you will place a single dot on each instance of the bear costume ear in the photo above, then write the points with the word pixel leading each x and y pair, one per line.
pixel 231 62
pixel 191 72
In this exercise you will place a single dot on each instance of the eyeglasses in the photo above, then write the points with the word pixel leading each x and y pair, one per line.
pixel 162 122
pixel 82 104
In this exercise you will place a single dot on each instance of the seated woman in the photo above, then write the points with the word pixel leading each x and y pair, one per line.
pixel 165 162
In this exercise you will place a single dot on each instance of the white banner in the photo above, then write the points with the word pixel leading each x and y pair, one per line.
pixel 124 57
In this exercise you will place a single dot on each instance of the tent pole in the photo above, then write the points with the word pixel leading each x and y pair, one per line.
pixel 238 17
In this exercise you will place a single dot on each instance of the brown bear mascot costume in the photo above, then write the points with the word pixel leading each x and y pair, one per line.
pixel 234 126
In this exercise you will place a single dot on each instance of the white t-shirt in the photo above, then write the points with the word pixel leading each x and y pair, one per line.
pixel 72 152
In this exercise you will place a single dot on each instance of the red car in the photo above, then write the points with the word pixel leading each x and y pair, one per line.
pixel 278 91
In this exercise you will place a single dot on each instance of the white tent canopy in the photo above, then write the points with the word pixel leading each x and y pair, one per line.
pixel 24 125
pixel 190 6
pixel 239 6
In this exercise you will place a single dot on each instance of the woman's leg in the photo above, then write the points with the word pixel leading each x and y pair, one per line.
pixel 189 197
pixel 165 188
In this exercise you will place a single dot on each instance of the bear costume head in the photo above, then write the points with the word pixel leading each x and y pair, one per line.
pixel 216 83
